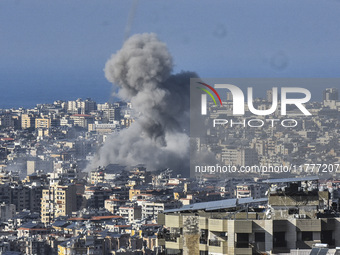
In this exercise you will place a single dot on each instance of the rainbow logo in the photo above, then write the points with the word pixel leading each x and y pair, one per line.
pixel 209 93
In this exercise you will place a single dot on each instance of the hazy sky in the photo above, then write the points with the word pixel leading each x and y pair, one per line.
pixel 57 49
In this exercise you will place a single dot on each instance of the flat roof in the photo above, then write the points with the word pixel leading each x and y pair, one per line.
pixel 217 205
pixel 297 179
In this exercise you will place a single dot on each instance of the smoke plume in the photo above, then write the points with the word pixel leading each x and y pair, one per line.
pixel 158 138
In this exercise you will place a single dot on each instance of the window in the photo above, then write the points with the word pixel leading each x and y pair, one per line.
pixel 279 239
pixel 204 236
pixel 242 240
pixel 293 211
pixel 327 237
pixel 260 237
pixel 307 236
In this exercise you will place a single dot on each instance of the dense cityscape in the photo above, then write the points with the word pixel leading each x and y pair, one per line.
pixel 260 145
pixel 52 202
pixel 169 127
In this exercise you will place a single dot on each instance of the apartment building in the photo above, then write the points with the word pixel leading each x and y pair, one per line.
pixel 27 121
pixel 58 201
pixel 44 123
pixel 112 204
pixel 292 219
pixel 248 190
pixel 151 209
pixel 130 213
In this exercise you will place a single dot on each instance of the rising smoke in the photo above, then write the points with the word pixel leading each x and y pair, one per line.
pixel 159 136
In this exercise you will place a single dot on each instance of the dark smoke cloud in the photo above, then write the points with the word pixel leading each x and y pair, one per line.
pixel 159 137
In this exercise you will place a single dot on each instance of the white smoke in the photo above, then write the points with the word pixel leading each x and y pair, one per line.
pixel 159 137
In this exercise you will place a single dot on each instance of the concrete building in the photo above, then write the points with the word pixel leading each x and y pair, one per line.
pixel 239 156
pixel 81 106
pixel 95 196
pixel 269 96
pixel 112 114
pixel 82 245
pixel 82 120
pixel 34 246
pixel 97 176
pixel 112 204
pixel 44 123
pixel 330 94
pixel 104 128
pixel 82 148
pixel 130 213
pixel 58 201
pixel 34 164
pixel 27 121
pixel 248 190
pixel 295 217
pixel 6 120
pixel 5 193
pixel 151 209
pixel 22 196
pixel 7 211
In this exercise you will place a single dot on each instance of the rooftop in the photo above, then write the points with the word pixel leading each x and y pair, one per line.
pixel 218 205
pixel 298 179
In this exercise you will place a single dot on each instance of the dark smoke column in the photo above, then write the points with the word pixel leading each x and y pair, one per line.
pixel 158 138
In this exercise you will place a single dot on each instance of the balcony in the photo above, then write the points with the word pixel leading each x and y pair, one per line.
pixel 172 237
pixel 203 245
pixel 242 245
pixel 243 226
pixel 203 241
pixel 214 243
pixel 308 225
pixel 244 251
pixel 203 223
pixel 305 244
pixel 280 244
pixel 174 242
pixel 217 246
pixel 218 225
pixel 174 221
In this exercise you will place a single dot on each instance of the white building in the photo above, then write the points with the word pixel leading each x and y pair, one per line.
pixel 151 209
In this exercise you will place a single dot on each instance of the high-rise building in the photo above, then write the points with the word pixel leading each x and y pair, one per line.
pixel 7 211
pixel 43 123
pixel 90 105
pixel 229 96
pixel 82 120
pixel 96 196
pixel 239 156
pixel 113 204
pixel 7 120
pixel 27 121
pixel 112 113
pixel 330 94
pixel 81 107
pixel 130 213
pixel 22 196
pixel 295 219
pixel 269 95
pixel 34 164
pixel 151 209
pixel 72 107
pixel 58 201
